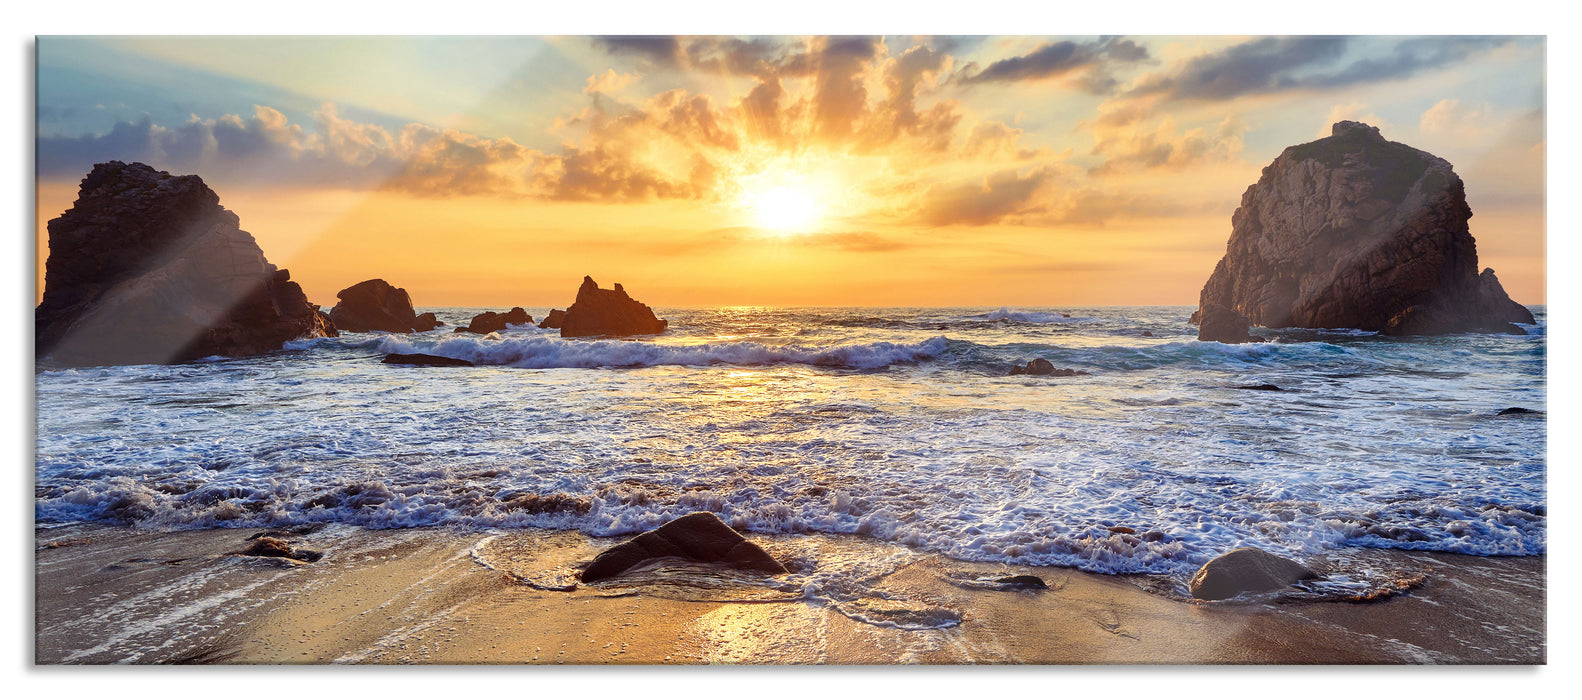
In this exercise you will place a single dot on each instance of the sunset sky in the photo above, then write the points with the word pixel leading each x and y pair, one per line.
pixel 892 170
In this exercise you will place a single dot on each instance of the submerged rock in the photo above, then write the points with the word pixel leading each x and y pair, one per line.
pixel 1516 410
pixel 1353 231
pixel 376 305
pixel 1260 387
pixel 1022 581
pixel 608 312
pixel 1219 324
pixel 147 267
pixel 1246 570
pixel 1043 368
pixel 490 322
pixel 554 319
pixel 696 536
pixel 419 359
pixel 274 547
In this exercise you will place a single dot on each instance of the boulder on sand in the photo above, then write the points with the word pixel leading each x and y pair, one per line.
pixel 376 305
pixel 698 536
pixel 608 312
pixel 1353 231
pixel 1246 570
pixel 147 267
pixel 554 319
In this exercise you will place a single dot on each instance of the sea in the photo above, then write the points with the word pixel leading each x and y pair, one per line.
pixel 903 426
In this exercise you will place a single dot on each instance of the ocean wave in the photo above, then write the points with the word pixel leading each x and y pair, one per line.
pixel 547 352
pixel 1006 314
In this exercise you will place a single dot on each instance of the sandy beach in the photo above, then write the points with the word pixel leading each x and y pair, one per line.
pixel 107 595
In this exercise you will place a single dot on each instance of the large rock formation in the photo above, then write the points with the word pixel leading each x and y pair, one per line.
pixel 608 312
pixel 1223 325
pixel 491 322
pixel 1353 231
pixel 376 305
pixel 697 536
pixel 147 267
pixel 553 320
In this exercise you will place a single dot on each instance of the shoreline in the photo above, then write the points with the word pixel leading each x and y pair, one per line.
pixel 111 594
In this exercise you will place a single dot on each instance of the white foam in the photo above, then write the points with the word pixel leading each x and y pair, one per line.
pixel 545 352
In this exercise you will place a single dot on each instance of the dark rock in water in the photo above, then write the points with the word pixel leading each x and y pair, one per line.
pixel 1246 570
pixel 1516 410
pixel 490 322
pixel 1219 324
pixel 147 267
pixel 1148 334
pixel 1122 530
pixel 1023 581
pixel 376 305
pixel 554 319
pixel 274 547
pixel 1260 387
pixel 608 312
pixel 421 360
pixel 697 536
pixel 1043 368
pixel 426 321
pixel 1353 231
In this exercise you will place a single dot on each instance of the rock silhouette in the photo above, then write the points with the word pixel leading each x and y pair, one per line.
pixel 419 359
pixel 698 536
pixel 553 320
pixel 376 305
pixel 1246 570
pixel 490 322
pixel 1354 231
pixel 147 267
pixel 608 312
pixel 1219 324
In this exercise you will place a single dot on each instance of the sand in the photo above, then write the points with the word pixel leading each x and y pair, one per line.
pixel 109 595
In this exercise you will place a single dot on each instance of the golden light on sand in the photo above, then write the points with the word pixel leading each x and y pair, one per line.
pixel 786 209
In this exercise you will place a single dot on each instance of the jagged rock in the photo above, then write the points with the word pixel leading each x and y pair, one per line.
pixel 147 267
pixel 424 360
pixel 376 305
pixel 1219 324
pixel 1246 570
pixel 554 319
pixel 608 312
pixel 1044 368
pixel 489 321
pixel 1353 231
pixel 698 536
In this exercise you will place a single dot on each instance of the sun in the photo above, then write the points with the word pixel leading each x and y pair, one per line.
pixel 787 209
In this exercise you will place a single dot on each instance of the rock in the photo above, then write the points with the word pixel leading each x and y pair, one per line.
pixel 1122 530
pixel 1516 410
pixel 554 319
pixel 147 267
pixel 1222 325
pixel 376 305
pixel 1353 231
pixel 608 312
pixel 1148 334
pixel 422 360
pixel 1043 368
pixel 1246 570
pixel 274 547
pixel 1022 581
pixel 697 536
pixel 426 321
pixel 490 322
pixel 1259 387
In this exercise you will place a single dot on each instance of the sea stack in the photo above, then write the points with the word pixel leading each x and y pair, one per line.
pixel 1354 231
pixel 377 305
pixel 147 267
pixel 608 312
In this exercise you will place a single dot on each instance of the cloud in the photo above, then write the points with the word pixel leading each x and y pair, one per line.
pixel 609 81
pixel 1063 58
pixel 1133 148
pixel 1280 64
pixel 994 199
pixel 1449 117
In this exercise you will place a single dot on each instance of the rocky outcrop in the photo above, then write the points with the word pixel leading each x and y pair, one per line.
pixel 1044 368
pixel 696 536
pixel 1219 324
pixel 147 267
pixel 419 359
pixel 1246 570
pixel 1354 231
pixel 608 312
pixel 553 320
pixel 376 305
pixel 490 322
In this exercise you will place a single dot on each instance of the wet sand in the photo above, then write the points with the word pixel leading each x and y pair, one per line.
pixel 108 595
